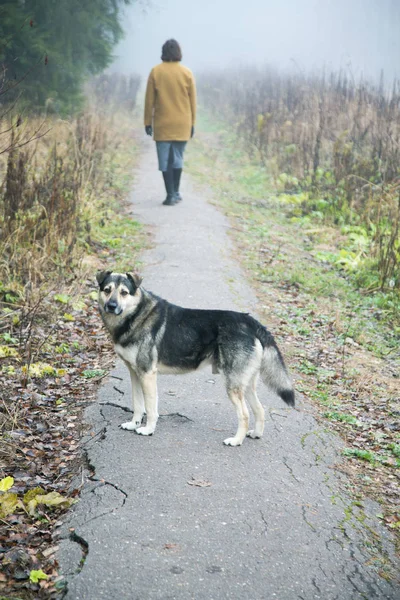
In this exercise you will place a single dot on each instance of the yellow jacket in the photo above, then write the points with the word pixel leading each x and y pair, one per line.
pixel 170 104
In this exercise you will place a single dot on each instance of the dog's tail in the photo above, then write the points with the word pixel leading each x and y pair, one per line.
pixel 273 370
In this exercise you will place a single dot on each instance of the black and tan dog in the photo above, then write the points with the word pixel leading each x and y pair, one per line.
pixel 154 336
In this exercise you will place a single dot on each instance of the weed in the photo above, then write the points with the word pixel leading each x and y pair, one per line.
pixel 336 416
pixel 307 367
pixel 91 373
pixel 366 455
pixel 395 448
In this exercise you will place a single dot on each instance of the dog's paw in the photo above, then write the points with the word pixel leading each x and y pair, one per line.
pixel 145 430
pixel 130 425
pixel 232 442
pixel 254 435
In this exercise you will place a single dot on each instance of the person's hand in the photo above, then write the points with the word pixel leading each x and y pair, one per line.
pixel 149 130
pixel 192 132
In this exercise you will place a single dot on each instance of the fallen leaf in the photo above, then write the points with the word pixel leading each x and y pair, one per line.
pixel 30 494
pixel 6 483
pixel 8 504
pixel 199 482
pixel 49 551
pixel 35 576
pixel 53 499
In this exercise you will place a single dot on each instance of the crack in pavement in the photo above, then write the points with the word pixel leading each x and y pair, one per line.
pixel 74 537
pixel 366 587
pixel 92 469
pixel 115 405
pixel 314 583
pixel 274 421
pixel 303 510
pixel 334 540
pixel 371 589
pixel 108 422
pixel 264 520
pixel 176 414
pixel 126 409
pixel 284 461
pixel 101 432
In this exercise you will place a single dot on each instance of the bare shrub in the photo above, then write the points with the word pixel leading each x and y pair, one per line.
pixel 326 135
pixel 48 187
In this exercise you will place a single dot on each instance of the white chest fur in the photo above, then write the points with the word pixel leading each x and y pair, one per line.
pixel 128 354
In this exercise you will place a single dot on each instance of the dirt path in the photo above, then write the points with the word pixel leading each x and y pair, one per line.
pixel 269 519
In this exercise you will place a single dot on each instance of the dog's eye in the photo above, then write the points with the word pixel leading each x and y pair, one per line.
pixel 124 293
pixel 107 290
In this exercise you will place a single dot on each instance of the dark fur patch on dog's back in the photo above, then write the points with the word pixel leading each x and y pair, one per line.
pixel 198 339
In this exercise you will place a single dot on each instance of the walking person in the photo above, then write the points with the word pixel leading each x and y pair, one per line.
pixel 169 114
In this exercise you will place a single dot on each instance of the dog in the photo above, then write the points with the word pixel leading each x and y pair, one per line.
pixel 152 336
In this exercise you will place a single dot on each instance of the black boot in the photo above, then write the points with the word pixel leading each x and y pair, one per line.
pixel 177 179
pixel 170 200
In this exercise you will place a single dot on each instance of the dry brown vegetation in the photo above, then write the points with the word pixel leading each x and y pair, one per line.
pixel 331 143
pixel 52 186
pixel 62 198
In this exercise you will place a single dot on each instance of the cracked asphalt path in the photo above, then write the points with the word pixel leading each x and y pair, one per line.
pixel 181 516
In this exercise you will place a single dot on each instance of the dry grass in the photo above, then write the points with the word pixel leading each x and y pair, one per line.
pixel 45 191
pixel 331 144
pixel 52 185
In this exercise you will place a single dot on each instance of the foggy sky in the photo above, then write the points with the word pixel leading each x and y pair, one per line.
pixel 361 35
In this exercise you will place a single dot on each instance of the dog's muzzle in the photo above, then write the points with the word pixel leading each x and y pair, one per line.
pixel 113 308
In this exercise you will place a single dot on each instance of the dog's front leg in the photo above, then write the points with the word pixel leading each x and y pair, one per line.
pixel 149 387
pixel 138 402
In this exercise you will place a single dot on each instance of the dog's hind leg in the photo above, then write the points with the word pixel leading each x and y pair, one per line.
pixel 256 407
pixel 149 387
pixel 236 396
pixel 138 402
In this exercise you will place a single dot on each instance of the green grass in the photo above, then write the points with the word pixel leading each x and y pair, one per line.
pixel 120 237
pixel 307 367
pixel 366 455
pixel 395 448
pixel 91 373
pixel 337 416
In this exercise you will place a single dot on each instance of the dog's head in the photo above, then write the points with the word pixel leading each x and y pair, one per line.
pixel 119 293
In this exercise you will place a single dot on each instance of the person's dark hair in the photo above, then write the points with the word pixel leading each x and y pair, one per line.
pixel 171 51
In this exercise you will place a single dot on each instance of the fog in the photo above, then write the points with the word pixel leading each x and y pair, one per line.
pixel 360 35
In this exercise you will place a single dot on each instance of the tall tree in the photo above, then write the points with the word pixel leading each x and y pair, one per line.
pixel 49 47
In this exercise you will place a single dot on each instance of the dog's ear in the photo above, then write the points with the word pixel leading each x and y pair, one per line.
pixel 101 275
pixel 135 278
